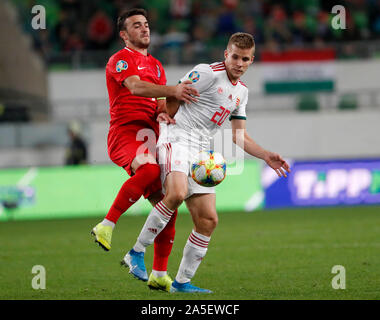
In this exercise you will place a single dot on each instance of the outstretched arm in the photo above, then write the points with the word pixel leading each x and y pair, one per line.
pixel 244 141
pixel 182 91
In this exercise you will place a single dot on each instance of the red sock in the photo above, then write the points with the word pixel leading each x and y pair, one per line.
pixel 163 245
pixel 132 190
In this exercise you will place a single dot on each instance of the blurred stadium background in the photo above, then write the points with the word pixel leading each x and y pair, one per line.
pixel 314 98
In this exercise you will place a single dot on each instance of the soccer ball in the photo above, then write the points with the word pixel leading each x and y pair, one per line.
pixel 208 168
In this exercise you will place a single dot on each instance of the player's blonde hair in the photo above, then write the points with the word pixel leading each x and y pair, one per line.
pixel 242 40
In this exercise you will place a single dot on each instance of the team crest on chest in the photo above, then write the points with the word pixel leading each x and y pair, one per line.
pixel 230 97
pixel 237 102
pixel 121 65
pixel 220 90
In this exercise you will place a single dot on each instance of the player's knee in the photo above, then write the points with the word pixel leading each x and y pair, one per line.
pixel 207 224
pixel 151 171
pixel 141 160
pixel 175 198
pixel 213 222
pixel 155 171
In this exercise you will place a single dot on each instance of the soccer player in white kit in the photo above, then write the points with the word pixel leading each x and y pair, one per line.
pixel 222 96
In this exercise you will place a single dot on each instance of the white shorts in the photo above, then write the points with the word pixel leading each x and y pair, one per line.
pixel 177 156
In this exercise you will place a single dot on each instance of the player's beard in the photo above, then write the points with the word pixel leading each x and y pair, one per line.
pixel 140 44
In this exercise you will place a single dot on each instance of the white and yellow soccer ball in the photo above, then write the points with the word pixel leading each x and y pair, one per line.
pixel 208 168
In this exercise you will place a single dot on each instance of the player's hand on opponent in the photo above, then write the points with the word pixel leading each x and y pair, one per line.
pixel 277 163
pixel 185 92
pixel 164 117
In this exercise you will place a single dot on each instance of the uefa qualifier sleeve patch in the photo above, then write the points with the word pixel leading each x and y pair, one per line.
pixel 194 76
pixel 121 65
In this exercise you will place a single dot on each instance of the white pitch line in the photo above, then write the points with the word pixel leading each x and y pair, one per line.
pixel 254 201
pixel 28 177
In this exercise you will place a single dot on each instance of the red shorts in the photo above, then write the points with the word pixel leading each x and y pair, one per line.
pixel 127 141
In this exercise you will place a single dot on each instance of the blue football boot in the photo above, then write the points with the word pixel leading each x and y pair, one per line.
pixel 187 287
pixel 135 262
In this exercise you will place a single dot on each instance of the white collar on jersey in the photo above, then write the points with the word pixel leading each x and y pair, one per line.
pixel 135 51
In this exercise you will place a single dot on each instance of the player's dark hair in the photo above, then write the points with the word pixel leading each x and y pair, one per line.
pixel 242 40
pixel 129 13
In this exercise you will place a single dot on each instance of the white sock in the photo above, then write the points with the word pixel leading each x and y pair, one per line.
pixel 156 221
pixel 193 253
pixel 159 274
pixel 106 222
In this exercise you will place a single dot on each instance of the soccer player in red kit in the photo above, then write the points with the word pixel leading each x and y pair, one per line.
pixel 136 84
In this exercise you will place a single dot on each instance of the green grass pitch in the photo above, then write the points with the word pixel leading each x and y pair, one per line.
pixel 282 254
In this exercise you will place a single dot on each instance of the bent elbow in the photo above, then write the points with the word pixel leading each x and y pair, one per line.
pixel 133 90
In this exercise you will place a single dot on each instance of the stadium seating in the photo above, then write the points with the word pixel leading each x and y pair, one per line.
pixel 201 26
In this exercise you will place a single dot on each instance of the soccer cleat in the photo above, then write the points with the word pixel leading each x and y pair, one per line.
pixel 135 262
pixel 103 236
pixel 160 283
pixel 187 287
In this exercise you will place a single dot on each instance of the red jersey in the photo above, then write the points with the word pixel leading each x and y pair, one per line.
pixel 125 107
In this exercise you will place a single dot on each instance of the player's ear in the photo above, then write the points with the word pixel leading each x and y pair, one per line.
pixel 123 34
pixel 253 54
pixel 225 54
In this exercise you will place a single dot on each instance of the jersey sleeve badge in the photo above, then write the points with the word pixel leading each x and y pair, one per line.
pixel 121 65
pixel 194 76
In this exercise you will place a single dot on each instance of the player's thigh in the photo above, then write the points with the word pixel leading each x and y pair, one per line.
pixel 141 159
pixel 202 208
pixel 174 163
pixel 132 145
pixel 175 185
pixel 146 151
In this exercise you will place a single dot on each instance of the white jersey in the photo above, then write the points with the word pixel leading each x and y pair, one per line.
pixel 197 122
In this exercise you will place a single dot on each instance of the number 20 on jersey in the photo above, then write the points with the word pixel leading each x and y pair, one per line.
pixel 220 116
